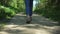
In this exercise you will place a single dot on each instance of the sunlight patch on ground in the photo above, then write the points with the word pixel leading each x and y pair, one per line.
pixel 25 26
pixel 3 33
pixel 25 14
pixel 27 30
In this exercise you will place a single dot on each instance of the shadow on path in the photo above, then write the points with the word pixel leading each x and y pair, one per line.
pixel 19 20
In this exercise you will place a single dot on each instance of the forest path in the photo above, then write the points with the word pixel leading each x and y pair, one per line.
pixel 39 25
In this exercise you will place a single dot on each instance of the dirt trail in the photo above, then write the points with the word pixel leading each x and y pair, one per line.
pixel 39 25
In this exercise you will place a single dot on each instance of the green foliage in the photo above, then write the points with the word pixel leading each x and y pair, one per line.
pixel 49 9
pixel 8 8
pixel 6 12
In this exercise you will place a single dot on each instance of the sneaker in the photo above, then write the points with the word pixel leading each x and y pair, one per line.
pixel 29 19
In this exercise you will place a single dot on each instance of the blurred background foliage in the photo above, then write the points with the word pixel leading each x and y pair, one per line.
pixel 47 8
pixel 8 8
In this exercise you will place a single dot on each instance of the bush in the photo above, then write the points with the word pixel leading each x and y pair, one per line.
pixel 6 12
pixel 53 14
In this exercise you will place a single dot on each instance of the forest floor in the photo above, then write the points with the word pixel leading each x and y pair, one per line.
pixel 39 25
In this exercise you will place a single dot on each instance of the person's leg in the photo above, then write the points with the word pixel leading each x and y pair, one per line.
pixel 29 5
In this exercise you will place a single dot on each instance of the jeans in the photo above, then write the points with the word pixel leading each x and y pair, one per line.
pixel 29 5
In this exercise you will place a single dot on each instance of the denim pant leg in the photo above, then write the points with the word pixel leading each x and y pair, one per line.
pixel 29 5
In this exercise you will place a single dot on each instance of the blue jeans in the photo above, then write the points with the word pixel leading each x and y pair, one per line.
pixel 29 5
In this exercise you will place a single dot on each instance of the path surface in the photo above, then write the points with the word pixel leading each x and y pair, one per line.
pixel 39 25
